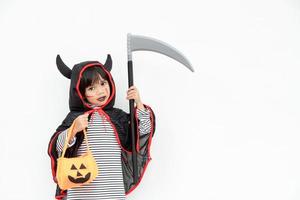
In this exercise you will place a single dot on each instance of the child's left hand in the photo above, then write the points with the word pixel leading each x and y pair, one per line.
pixel 133 93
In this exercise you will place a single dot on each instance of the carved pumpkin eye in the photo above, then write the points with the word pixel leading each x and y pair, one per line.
pixel 73 167
pixel 82 166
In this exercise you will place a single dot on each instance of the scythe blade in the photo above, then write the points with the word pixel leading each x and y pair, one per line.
pixel 142 43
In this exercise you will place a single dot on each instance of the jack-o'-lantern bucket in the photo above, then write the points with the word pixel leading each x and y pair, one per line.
pixel 77 171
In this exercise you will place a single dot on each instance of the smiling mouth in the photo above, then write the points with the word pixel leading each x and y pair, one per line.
pixel 101 99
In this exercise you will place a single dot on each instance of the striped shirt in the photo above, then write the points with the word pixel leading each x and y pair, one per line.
pixel 107 153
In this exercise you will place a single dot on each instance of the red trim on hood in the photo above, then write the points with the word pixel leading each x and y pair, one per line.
pixel 110 79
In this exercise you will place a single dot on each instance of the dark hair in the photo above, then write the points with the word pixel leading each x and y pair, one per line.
pixel 91 76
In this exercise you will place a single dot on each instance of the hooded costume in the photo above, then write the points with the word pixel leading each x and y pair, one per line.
pixel 119 120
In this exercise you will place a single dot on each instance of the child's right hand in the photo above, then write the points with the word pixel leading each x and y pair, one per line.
pixel 81 122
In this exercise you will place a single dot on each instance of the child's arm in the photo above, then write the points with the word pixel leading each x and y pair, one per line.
pixel 80 123
pixel 143 114
pixel 140 106
pixel 61 140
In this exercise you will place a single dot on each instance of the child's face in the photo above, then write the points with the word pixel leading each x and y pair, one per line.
pixel 98 93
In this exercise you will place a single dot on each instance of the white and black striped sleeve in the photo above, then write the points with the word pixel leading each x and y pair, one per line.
pixel 144 121
pixel 61 140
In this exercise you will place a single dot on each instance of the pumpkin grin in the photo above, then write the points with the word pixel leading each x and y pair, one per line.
pixel 81 179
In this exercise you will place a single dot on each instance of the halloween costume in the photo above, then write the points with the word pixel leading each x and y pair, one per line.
pixel 117 123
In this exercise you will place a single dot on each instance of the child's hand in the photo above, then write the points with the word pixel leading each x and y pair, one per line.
pixel 133 93
pixel 81 122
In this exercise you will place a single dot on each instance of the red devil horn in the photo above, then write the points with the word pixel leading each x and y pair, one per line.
pixel 63 68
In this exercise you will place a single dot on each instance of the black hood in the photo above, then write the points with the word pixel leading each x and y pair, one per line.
pixel 76 102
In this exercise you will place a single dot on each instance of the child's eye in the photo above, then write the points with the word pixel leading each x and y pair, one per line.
pixel 103 83
pixel 91 88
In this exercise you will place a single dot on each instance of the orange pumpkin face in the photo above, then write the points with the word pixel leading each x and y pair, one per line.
pixel 79 177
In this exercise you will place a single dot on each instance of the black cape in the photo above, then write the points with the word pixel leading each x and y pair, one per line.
pixel 119 120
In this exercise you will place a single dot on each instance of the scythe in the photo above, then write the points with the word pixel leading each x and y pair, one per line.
pixel 142 43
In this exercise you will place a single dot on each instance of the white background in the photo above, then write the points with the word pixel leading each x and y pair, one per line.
pixel 229 131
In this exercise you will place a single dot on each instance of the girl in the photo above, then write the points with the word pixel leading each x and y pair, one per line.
pixel 92 96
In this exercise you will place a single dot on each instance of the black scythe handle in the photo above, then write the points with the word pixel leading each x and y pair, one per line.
pixel 131 106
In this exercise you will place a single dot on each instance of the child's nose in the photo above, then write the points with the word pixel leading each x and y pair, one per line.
pixel 98 90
